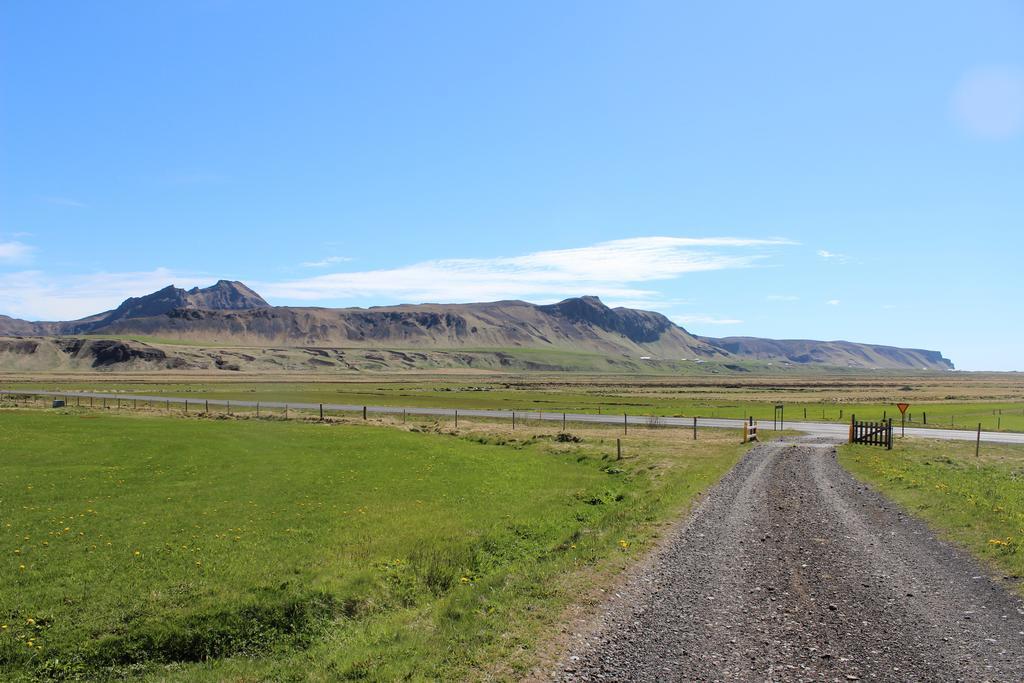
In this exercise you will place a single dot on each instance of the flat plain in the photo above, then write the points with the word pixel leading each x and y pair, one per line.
pixel 950 400
pixel 155 545
pixel 202 548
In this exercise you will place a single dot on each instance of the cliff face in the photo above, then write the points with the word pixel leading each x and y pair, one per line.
pixel 230 313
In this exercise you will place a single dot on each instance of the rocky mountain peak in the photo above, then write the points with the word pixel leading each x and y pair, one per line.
pixel 225 295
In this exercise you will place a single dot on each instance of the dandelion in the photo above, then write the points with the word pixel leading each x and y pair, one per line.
pixel 30 621
pixel 623 543
pixel 464 579
pixel 136 553
pixel 21 567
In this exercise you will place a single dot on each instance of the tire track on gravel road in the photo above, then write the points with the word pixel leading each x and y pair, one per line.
pixel 791 570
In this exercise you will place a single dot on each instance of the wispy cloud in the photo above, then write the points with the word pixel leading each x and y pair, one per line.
pixel 64 201
pixel 619 271
pixel 614 269
pixel 827 255
pixel 15 252
pixel 35 295
pixel 705 320
pixel 833 302
pixel 989 102
pixel 323 263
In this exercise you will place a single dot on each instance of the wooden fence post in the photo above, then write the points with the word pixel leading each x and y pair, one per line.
pixel 977 443
pixel 618 449
pixel 695 428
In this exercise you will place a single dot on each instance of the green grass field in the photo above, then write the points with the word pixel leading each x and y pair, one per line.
pixel 976 502
pixel 634 398
pixel 167 548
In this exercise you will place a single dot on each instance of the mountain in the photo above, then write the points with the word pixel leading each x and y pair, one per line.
pixel 849 354
pixel 225 295
pixel 230 314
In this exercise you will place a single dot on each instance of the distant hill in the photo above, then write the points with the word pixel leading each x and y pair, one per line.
pixel 229 313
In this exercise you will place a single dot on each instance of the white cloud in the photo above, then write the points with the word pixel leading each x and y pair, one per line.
pixel 616 271
pixel 781 297
pixel 705 320
pixel 35 295
pixel 833 302
pixel 15 252
pixel 608 269
pixel 989 102
pixel 323 263
pixel 826 254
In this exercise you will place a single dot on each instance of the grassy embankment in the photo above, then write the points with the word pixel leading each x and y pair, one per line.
pixel 976 502
pixel 825 403
pixel 204 549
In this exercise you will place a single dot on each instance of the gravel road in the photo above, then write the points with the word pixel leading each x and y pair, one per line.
pixel 791 570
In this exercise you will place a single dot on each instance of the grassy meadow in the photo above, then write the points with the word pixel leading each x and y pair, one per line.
pixel 996 402
pixel 975 502
pixel 206 549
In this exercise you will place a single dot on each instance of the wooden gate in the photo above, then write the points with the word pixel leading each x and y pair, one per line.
pixel 871 433
pixel 750 431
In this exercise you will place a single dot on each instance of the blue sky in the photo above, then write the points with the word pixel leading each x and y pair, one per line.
pixel 841 170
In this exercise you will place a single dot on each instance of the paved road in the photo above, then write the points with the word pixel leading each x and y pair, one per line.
pixel 822 429
pixel 791 570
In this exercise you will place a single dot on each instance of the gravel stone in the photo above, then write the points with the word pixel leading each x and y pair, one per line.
pixel 791 570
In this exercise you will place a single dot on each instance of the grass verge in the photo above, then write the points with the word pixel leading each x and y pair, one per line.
pixel 975 502
pixel 172 548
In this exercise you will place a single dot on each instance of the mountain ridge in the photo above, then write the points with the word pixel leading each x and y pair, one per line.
pixel 229 313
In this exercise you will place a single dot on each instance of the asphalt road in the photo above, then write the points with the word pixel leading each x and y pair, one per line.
pixel 792 570
pixel 820 429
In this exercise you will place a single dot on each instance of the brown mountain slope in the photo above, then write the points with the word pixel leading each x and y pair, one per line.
pixel 836 353
pixel 575 324
pixel 231 314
